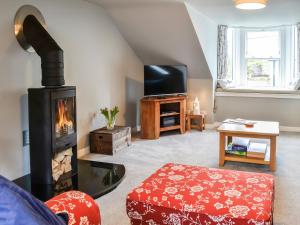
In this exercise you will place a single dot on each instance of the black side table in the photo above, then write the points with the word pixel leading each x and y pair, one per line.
pixel 93 178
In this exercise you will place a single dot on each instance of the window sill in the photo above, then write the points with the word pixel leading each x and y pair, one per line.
pixel 257 93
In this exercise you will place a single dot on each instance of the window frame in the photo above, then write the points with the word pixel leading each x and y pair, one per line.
pixel 244 58
pixel 287 62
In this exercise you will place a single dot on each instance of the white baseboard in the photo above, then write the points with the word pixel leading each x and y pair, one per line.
pixel 289 129
pixel 83 151
pixel 136 129
pixel 281 128
pixel 210 126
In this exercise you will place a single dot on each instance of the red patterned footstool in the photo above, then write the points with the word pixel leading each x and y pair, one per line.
pixel 190 195
pixel 80 207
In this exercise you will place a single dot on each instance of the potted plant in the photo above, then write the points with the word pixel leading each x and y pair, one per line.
pixel 110 116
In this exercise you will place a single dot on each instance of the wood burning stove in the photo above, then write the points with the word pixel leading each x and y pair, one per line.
pixel 52 123
pixel 52 110
pixel 52 129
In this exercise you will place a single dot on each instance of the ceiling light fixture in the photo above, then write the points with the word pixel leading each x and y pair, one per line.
pixel 250 4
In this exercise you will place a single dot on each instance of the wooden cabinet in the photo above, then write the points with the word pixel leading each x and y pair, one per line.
pixel 199 119
pixel 109 142
pixel 162 114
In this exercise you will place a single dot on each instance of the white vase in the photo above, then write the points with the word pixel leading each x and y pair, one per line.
pixel 196 106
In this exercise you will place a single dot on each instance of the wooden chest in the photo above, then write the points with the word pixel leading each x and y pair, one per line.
pixel 109 142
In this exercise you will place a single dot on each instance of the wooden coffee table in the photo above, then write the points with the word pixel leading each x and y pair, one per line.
pixel 261 130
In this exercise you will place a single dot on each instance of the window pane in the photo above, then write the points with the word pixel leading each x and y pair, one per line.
pixel 295 60
pixel 263 44
pixel 262 72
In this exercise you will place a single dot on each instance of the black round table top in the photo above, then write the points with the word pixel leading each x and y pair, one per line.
pixel 93 178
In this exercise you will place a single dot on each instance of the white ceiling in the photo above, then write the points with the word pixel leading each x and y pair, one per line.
pixel 277 12
pixel 132 1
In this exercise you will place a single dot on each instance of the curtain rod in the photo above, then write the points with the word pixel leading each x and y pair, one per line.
pixel 265 27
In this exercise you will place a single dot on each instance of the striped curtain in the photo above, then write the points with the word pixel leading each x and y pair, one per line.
pixel 297 84
pixel 222 52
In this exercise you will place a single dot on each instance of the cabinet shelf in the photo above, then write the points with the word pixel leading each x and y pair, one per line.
pixel 175 127
pixel 169 114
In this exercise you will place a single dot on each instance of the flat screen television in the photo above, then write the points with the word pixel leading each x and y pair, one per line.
pixel 165 80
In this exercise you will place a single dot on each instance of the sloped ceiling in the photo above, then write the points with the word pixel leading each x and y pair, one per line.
pixel 160 32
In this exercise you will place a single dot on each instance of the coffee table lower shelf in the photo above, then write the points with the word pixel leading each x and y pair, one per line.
pixel 246 159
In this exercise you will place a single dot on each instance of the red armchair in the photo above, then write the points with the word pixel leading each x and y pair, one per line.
pixel 81 208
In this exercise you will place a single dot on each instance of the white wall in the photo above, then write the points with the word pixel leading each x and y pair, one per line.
pixel 164 32
pixel 202 88
pixel 286 111
pixel 97 60
pixel 207 32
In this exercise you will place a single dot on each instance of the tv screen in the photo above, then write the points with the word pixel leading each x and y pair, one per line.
pixel 164 80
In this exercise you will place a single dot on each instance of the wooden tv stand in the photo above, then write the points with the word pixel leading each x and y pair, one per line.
pixel 156 111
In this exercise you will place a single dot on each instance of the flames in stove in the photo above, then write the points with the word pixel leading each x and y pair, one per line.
pixel 64 117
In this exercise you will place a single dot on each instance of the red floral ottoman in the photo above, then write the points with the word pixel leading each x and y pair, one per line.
pixel 80 207
pixel 190 195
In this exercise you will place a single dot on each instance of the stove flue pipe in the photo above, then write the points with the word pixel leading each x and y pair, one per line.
pixel 51 54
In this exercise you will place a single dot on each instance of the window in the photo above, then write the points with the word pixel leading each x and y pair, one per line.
pixel 262 66
pixel 262 58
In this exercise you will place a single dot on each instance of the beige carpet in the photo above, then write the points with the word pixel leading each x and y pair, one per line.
pixel 196 148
